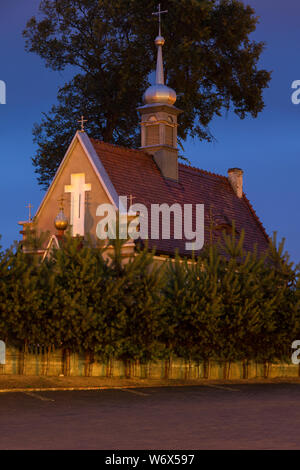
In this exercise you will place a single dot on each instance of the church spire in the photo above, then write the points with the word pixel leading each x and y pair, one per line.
pixel 159 117
pixel 160 80
pixel 159 93
pixel 159 41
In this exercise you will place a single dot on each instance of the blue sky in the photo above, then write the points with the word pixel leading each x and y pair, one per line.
pixel 267 148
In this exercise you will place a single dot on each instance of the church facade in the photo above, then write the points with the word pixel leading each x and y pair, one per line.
pixel 94 173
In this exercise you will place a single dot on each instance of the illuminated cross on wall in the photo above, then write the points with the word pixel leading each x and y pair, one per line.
pixel 78 188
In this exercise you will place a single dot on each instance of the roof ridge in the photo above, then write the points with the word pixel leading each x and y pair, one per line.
pixel 183 165
pixel 121 147
pixel 200 170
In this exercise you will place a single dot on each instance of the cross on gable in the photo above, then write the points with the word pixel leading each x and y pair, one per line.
pixel 82 121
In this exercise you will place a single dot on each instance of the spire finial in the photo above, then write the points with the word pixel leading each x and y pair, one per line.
pixel 159 41
pixel 159 13
pixel 61 201
pixel 159 93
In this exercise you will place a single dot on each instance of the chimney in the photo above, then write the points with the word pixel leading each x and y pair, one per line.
pixel 235 176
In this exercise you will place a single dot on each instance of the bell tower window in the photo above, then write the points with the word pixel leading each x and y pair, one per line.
pixel 152 135
pixel 169 136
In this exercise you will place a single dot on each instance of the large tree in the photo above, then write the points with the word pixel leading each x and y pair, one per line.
pixel 210 60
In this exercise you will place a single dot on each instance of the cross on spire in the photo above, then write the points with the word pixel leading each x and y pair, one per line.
pixel 159 13
pixel 29 207
pixel 82 121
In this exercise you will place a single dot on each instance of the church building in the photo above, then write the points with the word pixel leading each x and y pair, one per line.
pixel 94 173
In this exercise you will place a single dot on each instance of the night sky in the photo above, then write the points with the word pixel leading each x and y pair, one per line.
pixel 266 148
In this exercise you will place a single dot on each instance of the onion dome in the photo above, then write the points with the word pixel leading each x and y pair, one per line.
pixel 159 93
pixel 61 222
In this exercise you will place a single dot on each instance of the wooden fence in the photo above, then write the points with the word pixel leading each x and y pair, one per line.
pixel 40 362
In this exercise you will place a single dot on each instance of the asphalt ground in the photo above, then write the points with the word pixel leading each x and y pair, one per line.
pixel 243 416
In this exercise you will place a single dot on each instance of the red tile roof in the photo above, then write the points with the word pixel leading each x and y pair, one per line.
pixel 134 172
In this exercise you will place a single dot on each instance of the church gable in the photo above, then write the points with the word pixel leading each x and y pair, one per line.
pixel 82 184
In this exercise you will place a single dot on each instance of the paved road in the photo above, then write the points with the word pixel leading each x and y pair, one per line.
pixel 233 417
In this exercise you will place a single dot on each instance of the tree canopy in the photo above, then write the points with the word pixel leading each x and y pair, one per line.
pixel 210 60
